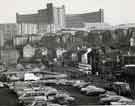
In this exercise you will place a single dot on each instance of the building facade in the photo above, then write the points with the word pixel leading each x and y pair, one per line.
pixel 7 32
pixel 50 19
pixel 1 39
pixel 79 20
pixel 53 19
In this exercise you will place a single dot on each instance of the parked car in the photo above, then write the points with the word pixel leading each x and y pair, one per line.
pixel 110 98
pixel 30 77
pixel 115 100
pixel 50 91
pixel 93 90
pixel 31 96
pixel 80 84
pixel 65 82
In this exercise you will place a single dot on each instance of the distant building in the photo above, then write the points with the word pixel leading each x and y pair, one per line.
pixel 98 26
pixel 1 39
pixel 7 32
pixel 53 19
pixel 21 40
pixel 125 26
pixel 132 40
pixel 50 19
pixel 9 56
pixel 79 20
pixel 28 51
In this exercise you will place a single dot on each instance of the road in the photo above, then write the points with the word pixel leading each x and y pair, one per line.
pixel 80 98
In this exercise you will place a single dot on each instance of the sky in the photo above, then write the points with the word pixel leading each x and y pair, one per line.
pixel 115 11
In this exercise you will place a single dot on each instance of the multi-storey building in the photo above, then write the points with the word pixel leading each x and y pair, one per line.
pixel 50 19
pixel 53 19
pixel 79 20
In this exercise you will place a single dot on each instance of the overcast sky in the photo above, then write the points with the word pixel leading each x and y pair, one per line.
pixel 116 11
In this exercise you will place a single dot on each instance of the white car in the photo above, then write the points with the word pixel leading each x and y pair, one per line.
pixel 80 84
pixel 30 77
pixel 65 82
pixel 87 88
pixel 93 90
pixel 50 91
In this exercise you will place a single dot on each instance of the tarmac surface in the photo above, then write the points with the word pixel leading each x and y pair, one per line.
pixel 8 97
pixel 80 98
